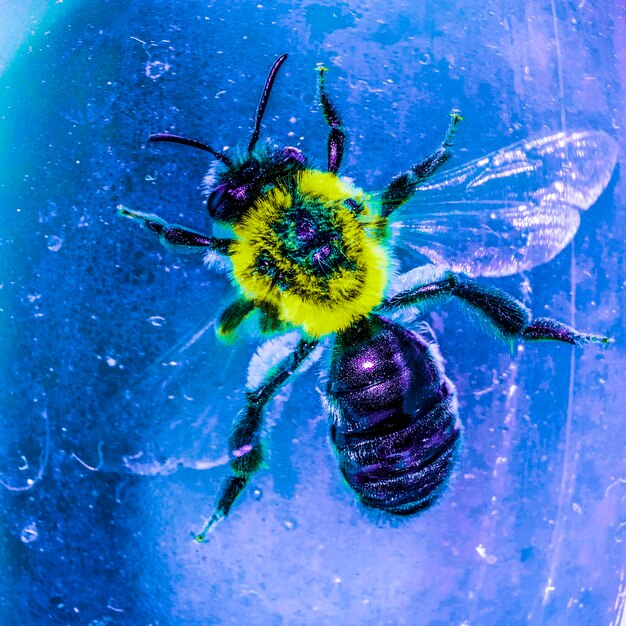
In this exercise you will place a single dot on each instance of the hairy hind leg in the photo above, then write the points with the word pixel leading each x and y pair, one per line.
pixel 506 315
pixel 245 447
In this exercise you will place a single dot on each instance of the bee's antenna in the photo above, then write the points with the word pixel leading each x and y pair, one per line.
pixel 194 143
pixel 271 77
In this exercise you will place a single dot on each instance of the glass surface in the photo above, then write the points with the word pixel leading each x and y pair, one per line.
pixel 117 398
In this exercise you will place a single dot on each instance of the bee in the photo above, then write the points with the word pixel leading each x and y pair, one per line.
pixel 309 251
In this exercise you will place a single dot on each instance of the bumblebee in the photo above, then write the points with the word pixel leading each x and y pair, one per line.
pixel 311 252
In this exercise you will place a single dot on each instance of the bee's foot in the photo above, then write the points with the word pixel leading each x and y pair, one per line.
pixel 201 537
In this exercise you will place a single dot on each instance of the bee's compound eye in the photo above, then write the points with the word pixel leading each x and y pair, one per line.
pixel 293 154
pixel 215 201
pixel 226 201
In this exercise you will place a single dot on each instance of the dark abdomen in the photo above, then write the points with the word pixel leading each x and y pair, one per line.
pixel 394 425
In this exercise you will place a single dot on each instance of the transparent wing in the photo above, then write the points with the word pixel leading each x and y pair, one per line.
pixel 510 210
pixel 177 412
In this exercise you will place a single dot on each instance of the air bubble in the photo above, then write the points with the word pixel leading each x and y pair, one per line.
pixel 619 533
pixel 257 493
pixel 29 533
pixel 54 243
pixel 425 59
pixel 156 69
pixel 157 320
pixel 290 524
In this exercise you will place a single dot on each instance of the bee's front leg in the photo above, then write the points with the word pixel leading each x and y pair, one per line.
pixel 245 447
pixel 337 136
pixel 403 186
pixel 174 236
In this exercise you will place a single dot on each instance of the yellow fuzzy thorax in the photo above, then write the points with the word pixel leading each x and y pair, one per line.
pixel 313 252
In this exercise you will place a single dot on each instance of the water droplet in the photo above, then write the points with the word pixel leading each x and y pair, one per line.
pixel 157 320
pixel 156 69
pixel 619 533
pixel 242 451
pixel 57 602
pixel 29 533
pixel 54 243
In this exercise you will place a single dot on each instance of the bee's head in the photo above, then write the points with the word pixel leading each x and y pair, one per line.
pixel 240 184
pixel 227 201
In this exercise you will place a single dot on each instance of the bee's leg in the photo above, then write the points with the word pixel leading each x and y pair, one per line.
pixel 245 440
pixel 337 137
pixel 403 186
pixel 506 315
pixel 546 328
pixel 233 315
pixel 177 237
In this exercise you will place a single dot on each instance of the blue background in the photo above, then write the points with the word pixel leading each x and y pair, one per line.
pixel 115 414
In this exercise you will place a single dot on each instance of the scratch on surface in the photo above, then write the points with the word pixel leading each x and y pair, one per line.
pixel 495 382
pixel 89 467
pixel 149 466
pixel 570 459
pixel 619 481
pixel 487 549
pixel 43 462
pixel 559 64
pixel 114 608
pixel 620 603
pixel 571 451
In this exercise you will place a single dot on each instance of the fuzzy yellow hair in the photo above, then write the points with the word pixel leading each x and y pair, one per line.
pixel 320 302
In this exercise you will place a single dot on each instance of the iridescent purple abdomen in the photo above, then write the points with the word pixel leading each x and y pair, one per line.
pixel 395 426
